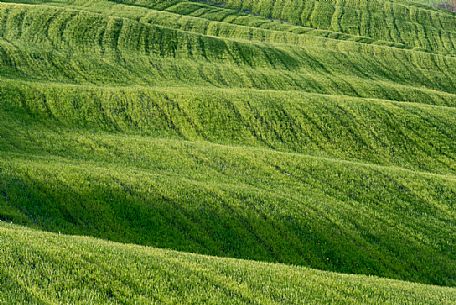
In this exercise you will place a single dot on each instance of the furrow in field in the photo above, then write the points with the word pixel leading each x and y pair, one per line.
pixel 225 19
pixel 401 20
pixel 232 128
pixel 152 42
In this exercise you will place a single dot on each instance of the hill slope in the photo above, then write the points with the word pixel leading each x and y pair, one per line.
pixel 236 129
pixel 74 270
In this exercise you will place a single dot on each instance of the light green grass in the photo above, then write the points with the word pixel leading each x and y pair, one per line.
pixel 244 202
pixel 254 131
pixel 411 25
pixel 44 268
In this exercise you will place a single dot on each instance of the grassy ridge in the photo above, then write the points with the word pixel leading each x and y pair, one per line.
pixel 73 270
pixel 231 134
pixel 331 126
pixel 126 52
pixel 216 21
pixel 241 202
pixel 413 26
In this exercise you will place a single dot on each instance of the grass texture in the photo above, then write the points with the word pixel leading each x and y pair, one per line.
pixel 76 270
pixel 312 136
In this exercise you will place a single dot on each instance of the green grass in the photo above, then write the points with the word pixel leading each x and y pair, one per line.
pixel 311 137
pixel 248 202
pixel 77 270
pixel 411 25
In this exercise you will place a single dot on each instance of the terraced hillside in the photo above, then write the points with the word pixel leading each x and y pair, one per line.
pixel 313 133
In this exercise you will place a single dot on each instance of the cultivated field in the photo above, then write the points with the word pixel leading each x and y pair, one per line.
pixel 313 133
pixel 98 272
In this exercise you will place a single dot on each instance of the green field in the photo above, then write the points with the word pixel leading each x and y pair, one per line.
pixel 120 273
pixel 318 134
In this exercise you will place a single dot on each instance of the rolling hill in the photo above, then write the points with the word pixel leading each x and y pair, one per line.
pixel 313 133
pixel 120 273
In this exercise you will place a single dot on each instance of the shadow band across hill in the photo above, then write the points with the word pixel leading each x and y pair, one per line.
pixel 251 140
pixel 228 218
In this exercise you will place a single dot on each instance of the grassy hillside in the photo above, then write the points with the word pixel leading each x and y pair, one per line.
pixel 411 26
pixel 237 129
pixel 240 201
pixel 74 270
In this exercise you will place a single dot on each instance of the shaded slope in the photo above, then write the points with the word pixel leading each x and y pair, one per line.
pixel 232 201
pixel 76 270
pixel 230 134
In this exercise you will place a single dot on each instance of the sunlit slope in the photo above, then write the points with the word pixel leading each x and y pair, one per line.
pixel 407 24
pixel 74 270
pixel 230 132
pixel 242 202
pixel 53 43
pixel 409 135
